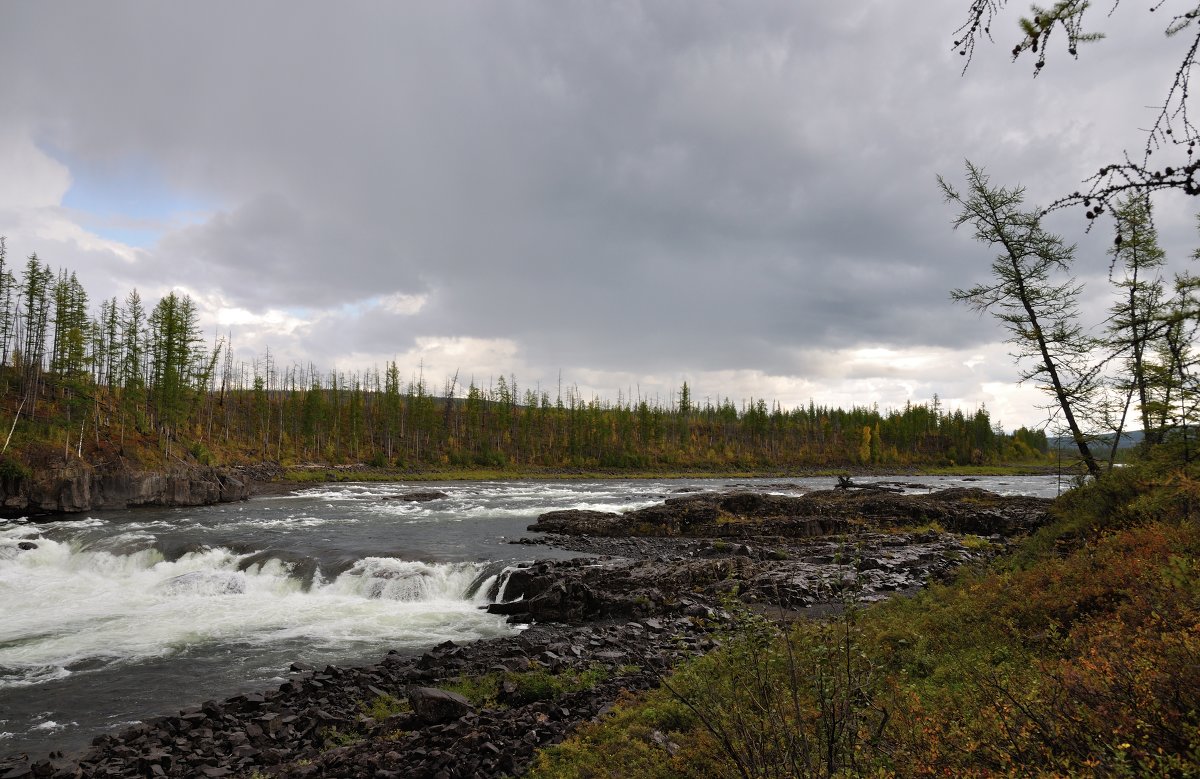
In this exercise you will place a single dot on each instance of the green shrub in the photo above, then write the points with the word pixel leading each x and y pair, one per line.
pixel 201 453
pixel 637 739
pixel 519 688
pixel 13 470
pixel 383 706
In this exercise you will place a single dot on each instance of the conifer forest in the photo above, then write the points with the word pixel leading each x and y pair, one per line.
pixel 137 379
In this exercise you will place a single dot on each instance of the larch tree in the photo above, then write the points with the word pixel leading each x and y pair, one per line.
pixel 1137 318
pixel 35 294
pixel 1024 293
pixel 8 314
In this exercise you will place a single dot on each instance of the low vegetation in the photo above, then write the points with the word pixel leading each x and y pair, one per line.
pixel 1075 656
pixel 519 688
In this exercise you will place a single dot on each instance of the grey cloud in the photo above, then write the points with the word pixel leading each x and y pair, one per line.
pixel 670 186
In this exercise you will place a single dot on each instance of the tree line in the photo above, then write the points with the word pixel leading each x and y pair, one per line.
pixel 126 378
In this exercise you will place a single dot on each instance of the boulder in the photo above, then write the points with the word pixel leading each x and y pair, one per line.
pixel 433 706
pixel 567 601
pixel 580 522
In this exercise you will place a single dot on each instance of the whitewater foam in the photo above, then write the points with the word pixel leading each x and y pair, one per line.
pixel 70 608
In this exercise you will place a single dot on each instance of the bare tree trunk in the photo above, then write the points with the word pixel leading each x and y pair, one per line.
pixel 14 426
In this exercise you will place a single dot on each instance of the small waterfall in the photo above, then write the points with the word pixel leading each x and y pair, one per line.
pixel 503 584
pixel 489 583
pixel 71 608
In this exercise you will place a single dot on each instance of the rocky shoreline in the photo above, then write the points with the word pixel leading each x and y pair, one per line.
pixel 320 723
pixel 652 597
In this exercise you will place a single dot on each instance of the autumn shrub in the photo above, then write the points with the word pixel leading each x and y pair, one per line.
pixel 1079 656
pixel 1084 662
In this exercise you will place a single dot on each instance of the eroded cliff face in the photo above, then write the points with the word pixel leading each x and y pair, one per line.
pixel 81 487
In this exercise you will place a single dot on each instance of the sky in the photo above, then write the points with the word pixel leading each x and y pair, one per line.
pixel 618 196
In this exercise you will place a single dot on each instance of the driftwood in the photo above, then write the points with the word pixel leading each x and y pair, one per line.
pixel 847 483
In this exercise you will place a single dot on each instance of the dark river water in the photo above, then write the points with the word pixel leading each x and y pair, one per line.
pixel 118 616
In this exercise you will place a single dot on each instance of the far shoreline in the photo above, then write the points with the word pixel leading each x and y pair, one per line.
pixel 312 475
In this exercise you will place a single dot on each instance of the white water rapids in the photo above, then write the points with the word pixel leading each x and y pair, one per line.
pixel 66 605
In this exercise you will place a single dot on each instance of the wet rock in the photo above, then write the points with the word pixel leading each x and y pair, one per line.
pixel 26 546
pixel 418 496
pixel 205 583
pixel 509 609
pixel 526 582
pixel 564 601
pixel 581 522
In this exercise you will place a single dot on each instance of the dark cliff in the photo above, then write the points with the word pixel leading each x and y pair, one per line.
pixel 80 487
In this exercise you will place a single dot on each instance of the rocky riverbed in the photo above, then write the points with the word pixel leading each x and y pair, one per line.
pixel 651 596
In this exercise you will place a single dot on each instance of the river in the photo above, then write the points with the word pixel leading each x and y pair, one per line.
pixel 113 617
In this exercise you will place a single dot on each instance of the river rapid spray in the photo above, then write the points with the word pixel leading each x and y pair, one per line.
pixel 115 617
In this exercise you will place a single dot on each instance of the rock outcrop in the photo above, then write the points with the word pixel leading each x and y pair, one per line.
pixel 676 576
pixel 792 551
pixel 742 514
pixel 80 487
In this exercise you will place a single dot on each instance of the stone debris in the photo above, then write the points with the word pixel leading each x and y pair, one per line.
pixel 317 722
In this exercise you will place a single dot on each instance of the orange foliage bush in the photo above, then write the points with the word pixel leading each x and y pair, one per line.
pixel 1094 667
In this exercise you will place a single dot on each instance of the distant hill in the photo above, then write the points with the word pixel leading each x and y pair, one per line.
pixel 1129 439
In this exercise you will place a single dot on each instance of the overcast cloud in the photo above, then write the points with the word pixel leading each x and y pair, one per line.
pixel 626 194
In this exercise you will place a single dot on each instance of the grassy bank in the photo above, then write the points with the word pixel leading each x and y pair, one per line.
pixel 1077 655
pixel 347 473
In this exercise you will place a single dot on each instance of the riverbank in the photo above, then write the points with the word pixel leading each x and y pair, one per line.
pixel 400 717
pixel 116 483
pixel 307 475
pixel 1075 655
pixel 598 627
pixel 80 487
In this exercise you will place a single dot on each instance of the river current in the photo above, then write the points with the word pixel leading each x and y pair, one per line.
pixel 113 617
